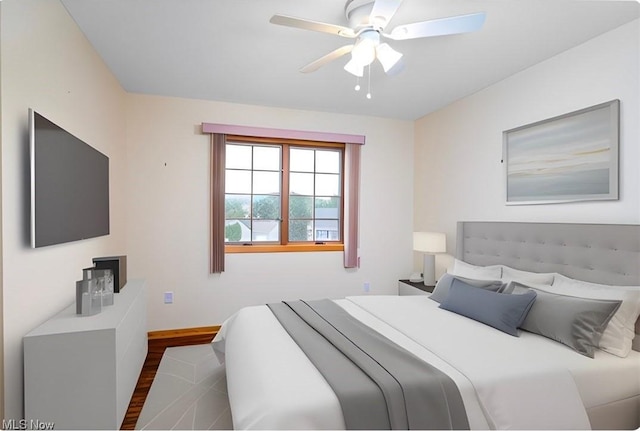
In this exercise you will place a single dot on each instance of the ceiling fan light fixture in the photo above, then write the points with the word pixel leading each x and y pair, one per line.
pixel 364 51
pixel 387 56
pixel 368 20
pixel 354 68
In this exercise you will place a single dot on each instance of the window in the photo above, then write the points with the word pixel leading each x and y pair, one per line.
pixel 283 195
pixel 349 148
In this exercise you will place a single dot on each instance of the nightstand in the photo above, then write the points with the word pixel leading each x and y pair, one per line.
pixel 406 287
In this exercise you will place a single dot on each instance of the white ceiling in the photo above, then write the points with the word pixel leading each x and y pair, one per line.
pixel 227 50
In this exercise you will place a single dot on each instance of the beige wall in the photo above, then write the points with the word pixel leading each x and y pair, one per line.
pixel 159 213
pixel 168 216
pixel 458 174
pixel 47 64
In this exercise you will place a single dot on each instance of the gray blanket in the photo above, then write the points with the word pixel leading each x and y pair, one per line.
pixel 379 384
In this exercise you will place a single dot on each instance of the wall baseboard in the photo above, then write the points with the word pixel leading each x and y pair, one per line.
pixel 181 337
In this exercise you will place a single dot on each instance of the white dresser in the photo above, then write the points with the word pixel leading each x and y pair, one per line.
pixel 80 372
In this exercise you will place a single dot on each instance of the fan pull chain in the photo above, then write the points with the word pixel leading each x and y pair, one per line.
pixel 357 87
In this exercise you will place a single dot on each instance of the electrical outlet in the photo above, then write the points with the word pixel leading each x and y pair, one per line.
pixel 367 286
pixel 168 297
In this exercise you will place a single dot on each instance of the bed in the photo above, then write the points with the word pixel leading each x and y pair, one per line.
pixel 528 381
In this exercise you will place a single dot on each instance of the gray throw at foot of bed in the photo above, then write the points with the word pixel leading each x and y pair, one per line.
pixel 379 384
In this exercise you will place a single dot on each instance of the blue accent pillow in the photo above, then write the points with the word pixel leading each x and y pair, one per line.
pixel 443 285
pixel 503 311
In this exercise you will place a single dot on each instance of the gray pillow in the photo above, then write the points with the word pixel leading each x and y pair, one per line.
pixel 575 322
pixel 443 285
pixel 503 311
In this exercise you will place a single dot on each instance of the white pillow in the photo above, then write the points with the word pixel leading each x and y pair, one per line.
pixel 513 285
pixel 511 274
pixel 466 270
pixel 617 338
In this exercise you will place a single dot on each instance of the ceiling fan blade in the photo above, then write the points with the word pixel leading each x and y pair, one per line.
pixel 438 27
pixel 306 24
pixel 315 65
pixel 383 11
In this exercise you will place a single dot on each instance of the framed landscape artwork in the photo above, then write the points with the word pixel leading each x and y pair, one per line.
pixel 572 157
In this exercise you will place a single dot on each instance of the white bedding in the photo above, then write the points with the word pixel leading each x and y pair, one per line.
pixel 526 382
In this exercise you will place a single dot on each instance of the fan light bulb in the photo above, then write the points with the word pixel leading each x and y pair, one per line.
pixel 363 53
pixel 368 95
pixel 357 87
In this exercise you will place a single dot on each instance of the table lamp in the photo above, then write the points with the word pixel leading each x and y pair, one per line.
pixel 429 243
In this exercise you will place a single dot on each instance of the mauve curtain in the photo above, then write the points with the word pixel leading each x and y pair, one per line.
pixel 218 142
pixel 351 204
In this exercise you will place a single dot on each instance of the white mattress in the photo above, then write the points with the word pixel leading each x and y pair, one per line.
pixel 505 382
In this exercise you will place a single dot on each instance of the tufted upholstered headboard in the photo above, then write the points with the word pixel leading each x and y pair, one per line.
pixel 597 253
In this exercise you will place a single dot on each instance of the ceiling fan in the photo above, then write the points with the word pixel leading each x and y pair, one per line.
pixel 368 20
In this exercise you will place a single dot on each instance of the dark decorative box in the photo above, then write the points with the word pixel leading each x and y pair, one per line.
pixel 117 264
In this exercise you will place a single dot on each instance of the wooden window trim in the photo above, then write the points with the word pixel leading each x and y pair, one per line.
pixel 278 248
pixel 287 246
pixel 284 225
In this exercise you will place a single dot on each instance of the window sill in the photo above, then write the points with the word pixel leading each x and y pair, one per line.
pixel 283 248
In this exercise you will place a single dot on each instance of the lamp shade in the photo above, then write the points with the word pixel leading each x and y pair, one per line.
pixel 354 68
pixel 387 56
pixel 429 242
pixel 364 52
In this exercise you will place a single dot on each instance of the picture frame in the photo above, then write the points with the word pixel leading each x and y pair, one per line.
pixel 569 158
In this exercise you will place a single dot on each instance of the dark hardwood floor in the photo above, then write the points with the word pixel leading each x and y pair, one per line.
pixel 158 341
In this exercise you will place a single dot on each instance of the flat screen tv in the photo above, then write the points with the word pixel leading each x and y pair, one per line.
pixel 69 186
